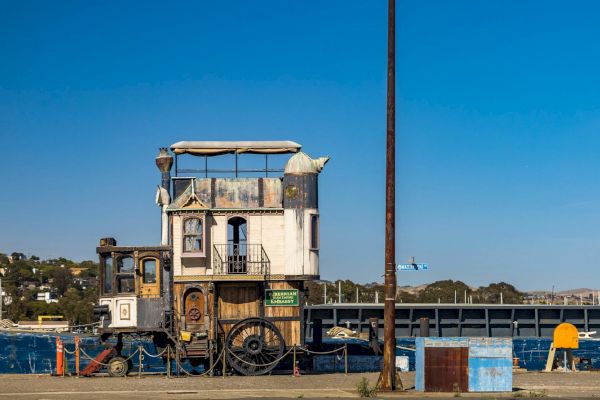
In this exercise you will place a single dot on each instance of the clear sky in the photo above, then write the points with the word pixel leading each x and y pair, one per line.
pixel 498 124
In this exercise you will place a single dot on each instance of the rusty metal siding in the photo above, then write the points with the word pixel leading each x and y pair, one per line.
pixel 272 193
pixel 237 193
pixel 446 369
pixel 300 191
pixel 203 190
pixel 150 312
pixel 179 186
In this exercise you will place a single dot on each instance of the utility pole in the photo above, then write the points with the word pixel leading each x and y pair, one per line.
pixel 325 294
pixel 388 379
pixel 1 299
pixel 339 291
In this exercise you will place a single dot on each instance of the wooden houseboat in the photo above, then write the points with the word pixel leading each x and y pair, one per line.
pixel 235 253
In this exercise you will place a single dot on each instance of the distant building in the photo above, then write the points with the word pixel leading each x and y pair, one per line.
pixel 76 271
pixel 47 297
pixel 59 326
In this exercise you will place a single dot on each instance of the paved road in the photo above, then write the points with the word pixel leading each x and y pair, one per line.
pixel 40 387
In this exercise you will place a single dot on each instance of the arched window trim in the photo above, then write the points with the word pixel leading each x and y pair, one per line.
pixel 201 234
pixel 143 270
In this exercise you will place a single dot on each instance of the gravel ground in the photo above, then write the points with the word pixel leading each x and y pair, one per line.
pixel 533 384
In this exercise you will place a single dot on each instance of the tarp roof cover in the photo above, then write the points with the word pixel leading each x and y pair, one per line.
pixel 250 147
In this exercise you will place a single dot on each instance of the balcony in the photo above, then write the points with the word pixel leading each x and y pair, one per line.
pixel 240 259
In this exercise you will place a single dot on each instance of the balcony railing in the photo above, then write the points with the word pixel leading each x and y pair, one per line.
pixel 240 259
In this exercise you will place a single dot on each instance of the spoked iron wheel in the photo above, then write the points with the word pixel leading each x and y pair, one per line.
pixel 253 345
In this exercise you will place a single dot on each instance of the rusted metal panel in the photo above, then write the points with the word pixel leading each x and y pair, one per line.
pixel 203 190
pixel 446 369
pixel 272 193
pixel 300 191
pixel 150 313
pixel 179 186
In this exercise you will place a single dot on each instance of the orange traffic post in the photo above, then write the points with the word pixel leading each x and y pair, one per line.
pixel 77 355
pixel 59 357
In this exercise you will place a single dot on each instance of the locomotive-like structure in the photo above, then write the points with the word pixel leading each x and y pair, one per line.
pixel 229 273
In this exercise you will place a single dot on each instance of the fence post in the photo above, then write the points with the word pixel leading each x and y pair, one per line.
pixel 59 357
pixel 77 338
pixel 169 362
pixel 294 369
pixel 345 358
pixel 177 360
pixel 141 358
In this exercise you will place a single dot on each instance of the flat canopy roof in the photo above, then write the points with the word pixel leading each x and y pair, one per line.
pixel 250 147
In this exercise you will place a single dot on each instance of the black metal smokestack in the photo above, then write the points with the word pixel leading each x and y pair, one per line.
pixel 164 162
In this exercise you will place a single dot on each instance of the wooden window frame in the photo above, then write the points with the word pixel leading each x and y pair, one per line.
pixel 103 275
pixel 143 270
pixel 117 274
pixel 199 253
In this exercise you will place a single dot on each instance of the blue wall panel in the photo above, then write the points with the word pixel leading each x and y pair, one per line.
pixel 420 364
pixel 490 375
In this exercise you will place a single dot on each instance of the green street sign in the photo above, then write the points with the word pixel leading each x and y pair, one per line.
pixel 281 297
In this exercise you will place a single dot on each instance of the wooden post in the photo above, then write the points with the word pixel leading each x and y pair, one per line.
pixel 388 377
pixel 346 359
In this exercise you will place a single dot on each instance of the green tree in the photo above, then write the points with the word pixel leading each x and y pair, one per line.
pixel 492 294
pixel 62 279
pixel 443 291
pixel 4 259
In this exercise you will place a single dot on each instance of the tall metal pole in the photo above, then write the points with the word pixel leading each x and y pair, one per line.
pixel 1 299
pixel 387 379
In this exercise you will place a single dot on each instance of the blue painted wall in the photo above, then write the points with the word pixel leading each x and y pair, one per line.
pixel 27 353
pixel 490 364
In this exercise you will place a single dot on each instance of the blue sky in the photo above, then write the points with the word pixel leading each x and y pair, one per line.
pixel 498 120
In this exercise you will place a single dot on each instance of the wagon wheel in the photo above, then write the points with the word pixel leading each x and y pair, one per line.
pixel 253 345
pixel 118 366
pixel 194 314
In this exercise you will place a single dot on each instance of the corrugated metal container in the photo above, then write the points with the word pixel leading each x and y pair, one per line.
pixel 463 364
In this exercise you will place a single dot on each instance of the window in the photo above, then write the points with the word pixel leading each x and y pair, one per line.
pixel 192 235
pixel 125 280
pixel 108 275
pixel 149 270
pixel 314 232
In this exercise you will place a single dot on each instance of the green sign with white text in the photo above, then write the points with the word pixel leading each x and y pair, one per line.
pixel 281 297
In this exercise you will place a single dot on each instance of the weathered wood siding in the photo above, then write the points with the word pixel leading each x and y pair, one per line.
pixel 289 329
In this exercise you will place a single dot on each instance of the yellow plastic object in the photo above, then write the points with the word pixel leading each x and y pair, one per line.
pixel 186 336
pixel 566 336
